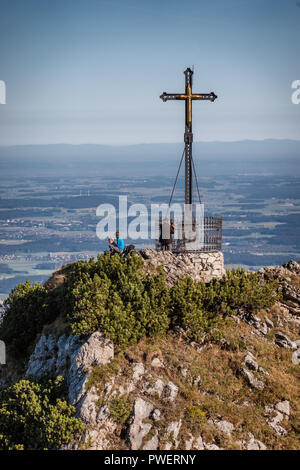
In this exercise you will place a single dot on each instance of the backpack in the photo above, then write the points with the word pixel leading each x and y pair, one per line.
pixel 128 249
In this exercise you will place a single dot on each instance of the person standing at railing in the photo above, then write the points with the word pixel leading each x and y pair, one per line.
pixel 166 235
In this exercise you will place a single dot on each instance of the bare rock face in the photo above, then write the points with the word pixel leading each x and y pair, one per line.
pixel 170 391
pixel 279 413
pixel 154 387
pixel 284 274
pixel 152 443
pixel 284 341
pixel 138 371
pixel 198 444
pixel 70 357
pixel 283 407
pixel 252 444
pixel 199 266
pixel 250 362
pixel 225 426
pixel 172 434
pixel 73 358
pixel 211 447
pixel 94 351
pixel 138 428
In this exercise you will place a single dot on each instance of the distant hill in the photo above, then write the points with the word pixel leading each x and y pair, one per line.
pixel 266 149
pixel 270 156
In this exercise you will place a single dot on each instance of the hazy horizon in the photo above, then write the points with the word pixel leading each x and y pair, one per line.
pixel 216 141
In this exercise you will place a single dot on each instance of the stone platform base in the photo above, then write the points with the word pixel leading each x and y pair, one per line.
pixel 199 266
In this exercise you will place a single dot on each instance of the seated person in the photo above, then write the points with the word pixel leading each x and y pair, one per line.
pixel 117 245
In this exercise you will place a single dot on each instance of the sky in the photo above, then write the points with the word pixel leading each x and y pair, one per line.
pixel 92 71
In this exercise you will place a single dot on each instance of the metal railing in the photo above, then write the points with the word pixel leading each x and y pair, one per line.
pixel 202 237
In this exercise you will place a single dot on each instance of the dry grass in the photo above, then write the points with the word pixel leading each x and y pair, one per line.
pixel 223 393
pixel 295 280
pixel 59 327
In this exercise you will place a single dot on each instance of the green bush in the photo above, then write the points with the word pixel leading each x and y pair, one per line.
pixel 188 308
pixel 239 290
pixel 120 408
pixel 26 311
pixel 196 413
pixel 113 295
pixel 35 416
pixel 198 307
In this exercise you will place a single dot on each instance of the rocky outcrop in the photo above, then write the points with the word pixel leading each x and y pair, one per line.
pixel 286 275
pixel 199 266
pixel 252 443
pixel 284 341
pixel 174 391
pixel 138 428
pixel 278 413
pixel 251 380
pixel 73 358
pixel 76 357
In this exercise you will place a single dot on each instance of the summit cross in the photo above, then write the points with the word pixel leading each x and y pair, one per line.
pixel 188 97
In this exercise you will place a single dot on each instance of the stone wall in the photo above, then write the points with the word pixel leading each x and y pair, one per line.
pixel 199 266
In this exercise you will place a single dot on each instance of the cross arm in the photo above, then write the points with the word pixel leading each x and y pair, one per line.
pixel 204 96
pixel 195 96
pixel 172 96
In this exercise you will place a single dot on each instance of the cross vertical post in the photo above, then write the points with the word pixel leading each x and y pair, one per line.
pixel 188 137
pixel 188 134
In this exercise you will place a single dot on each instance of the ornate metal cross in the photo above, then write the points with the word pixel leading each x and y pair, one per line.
pixel 188 135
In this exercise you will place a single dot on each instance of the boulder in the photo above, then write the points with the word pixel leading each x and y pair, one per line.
pixel 251 380
pixel 254 444
pixel 170 391
pixel 225 426
pixel 283 407
pixel 250 362
pixel 138 371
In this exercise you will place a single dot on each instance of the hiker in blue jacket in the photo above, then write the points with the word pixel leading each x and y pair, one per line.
pixel 117 245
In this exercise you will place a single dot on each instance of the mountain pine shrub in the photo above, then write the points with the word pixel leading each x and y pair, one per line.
pixel 36 416
pixel 114 295
pixel 120 408
pixel 26 311
pixel 198 307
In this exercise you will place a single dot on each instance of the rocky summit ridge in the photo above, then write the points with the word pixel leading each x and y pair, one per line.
pixel 237 390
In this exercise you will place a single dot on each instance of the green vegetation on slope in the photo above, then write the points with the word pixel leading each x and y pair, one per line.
pixel 35 416
pixel 114 295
